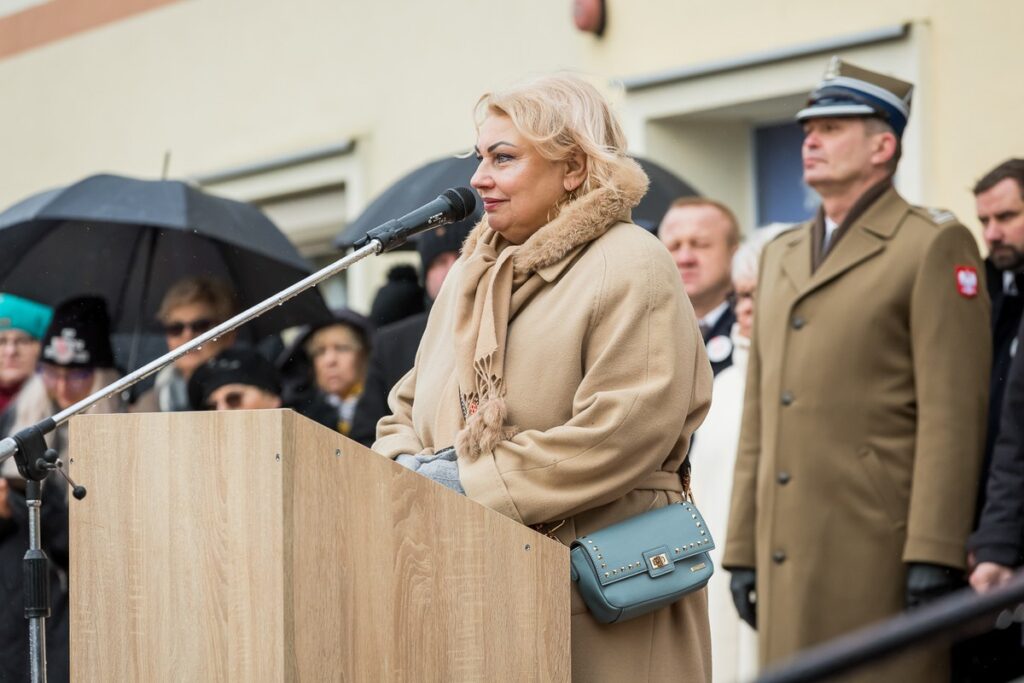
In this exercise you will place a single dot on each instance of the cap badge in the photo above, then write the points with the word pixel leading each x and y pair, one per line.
pixel 67 348
pixel 834 65
pixel 967 281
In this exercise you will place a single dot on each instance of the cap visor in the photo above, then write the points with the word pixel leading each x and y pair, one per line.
pixel 834 110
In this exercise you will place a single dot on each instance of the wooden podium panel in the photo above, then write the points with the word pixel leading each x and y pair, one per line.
pixel 260 546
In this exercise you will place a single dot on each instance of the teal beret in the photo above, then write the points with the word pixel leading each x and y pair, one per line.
pixel 17 313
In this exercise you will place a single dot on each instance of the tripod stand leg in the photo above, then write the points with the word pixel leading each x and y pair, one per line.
pixel 37 585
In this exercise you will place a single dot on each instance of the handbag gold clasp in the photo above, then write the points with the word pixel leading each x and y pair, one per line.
pixel 658 561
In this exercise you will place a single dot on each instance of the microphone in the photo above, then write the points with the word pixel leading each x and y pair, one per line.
pixel 453 205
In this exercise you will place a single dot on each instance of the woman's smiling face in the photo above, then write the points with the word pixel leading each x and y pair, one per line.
pixel 520 189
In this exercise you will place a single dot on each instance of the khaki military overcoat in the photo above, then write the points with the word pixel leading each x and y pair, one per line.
pixel 606 379
pixel 863 425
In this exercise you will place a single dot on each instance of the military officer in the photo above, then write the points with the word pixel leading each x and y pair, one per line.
pixel 864 413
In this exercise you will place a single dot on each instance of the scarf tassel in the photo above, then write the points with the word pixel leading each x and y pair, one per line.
pixel 484 429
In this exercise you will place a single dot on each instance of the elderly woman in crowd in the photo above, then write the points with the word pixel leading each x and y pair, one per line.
pixel 562 371
pixel 76 361
pixel 189 308
pixel 22 323
pixel 734 643
pixel 326 369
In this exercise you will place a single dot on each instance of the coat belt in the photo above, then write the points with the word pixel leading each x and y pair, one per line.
pixel 662 481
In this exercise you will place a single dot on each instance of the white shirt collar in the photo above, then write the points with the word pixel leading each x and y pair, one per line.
pixel 1010 283
pixel 830 228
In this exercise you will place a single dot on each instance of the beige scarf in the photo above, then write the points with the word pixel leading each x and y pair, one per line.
pixel 498 278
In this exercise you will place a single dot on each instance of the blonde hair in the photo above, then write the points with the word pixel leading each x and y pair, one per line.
pixel 559 115
pixel 200 289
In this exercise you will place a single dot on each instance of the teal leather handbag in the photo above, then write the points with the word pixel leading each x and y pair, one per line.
pixel 643 563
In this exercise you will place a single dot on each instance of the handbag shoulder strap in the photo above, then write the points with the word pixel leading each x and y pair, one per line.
pixel 684 474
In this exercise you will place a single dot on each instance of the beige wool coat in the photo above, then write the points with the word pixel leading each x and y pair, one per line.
pixel 863 426
pixel 606 379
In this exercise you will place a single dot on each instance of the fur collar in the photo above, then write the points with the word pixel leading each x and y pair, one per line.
pixel 579 222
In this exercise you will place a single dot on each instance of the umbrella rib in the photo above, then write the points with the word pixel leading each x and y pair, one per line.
pixel 147 277
pixel 119 310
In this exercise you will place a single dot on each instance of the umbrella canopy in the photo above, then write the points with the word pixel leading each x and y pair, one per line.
pixel 129 240
pixel 427 182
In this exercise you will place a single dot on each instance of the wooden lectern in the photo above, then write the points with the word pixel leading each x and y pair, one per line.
pixel 260 546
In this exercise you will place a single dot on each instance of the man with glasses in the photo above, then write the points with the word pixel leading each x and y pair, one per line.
pixel 190 308
pixel 22 323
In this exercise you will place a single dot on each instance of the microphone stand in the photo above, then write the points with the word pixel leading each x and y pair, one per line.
pixel 36 461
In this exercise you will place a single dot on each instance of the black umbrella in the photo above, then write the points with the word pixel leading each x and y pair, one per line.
pixel 427 182
pixel 129 240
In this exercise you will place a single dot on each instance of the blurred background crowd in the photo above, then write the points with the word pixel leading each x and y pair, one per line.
pixel 287 164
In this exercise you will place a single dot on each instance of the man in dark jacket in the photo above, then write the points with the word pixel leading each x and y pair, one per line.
pixel 702 235
pixel 997 544
pixel 394 347
pixel 998 197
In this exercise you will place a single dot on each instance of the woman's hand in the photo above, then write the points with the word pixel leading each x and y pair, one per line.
pixel 442 467
pixel 410 462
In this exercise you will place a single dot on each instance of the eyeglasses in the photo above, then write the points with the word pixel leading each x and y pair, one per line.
pixel 16 341
pixel 340 349
pixel 230 401
pixel 75 377
pixel 196 327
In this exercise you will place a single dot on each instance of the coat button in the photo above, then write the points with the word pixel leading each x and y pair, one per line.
pixel 778 557
pixel 786 398
pixel 797 322
pixel 783 477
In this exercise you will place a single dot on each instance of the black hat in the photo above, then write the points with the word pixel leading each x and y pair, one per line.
pixel 232 366
pixel 401 297
pixel 296 367
pixel 79 335
pixel 433 243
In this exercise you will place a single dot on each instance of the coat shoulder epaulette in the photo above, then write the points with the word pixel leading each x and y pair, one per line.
pixel 935 216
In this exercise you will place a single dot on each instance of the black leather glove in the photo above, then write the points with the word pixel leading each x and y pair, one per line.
pixel 744 594
pixel 926 582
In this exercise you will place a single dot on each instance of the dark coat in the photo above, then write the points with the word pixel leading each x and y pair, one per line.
pixel 393 355
pixel 722 328
pixel 1006 317
pixel 1000 534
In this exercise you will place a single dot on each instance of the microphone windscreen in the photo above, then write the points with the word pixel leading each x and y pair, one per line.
pixel 463 201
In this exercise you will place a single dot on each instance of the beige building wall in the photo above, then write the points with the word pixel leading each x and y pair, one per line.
pixel 386 86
